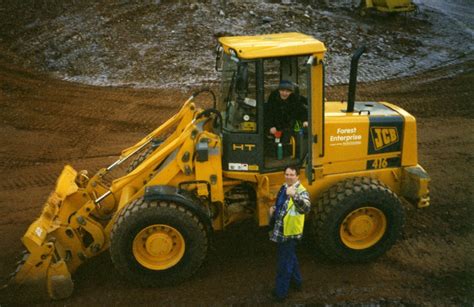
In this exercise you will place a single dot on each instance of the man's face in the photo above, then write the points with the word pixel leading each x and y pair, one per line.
pixel 284 94
pixel 290 176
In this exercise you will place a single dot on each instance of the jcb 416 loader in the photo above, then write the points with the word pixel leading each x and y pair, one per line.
pixel 203 170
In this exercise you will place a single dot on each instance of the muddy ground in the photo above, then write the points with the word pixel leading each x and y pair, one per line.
pixel 46 123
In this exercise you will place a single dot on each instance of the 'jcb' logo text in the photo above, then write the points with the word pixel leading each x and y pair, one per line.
pixel 243 147
pixel 383 136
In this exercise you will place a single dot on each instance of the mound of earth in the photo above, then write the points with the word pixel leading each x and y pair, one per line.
pixel 170 44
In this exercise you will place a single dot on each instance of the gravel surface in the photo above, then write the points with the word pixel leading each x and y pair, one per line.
pixel 169 44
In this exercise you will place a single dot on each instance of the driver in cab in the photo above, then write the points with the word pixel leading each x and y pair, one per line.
pixel 285 111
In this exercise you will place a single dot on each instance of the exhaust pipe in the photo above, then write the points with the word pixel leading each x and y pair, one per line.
pixel 353 78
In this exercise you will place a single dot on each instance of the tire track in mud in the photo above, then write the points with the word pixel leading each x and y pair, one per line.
pixel 41 179
pixel 371 74
pixel 34 172
pixel 76 122
pixel 44 176
pixel 22 211
pixel 375 294
pixel 426 255
pixel 435 257
pixel 147 117
pixel 69 119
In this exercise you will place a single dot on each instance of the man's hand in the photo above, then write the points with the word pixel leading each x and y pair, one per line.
pixel 271 210
pixel 291 191
pixel 273 130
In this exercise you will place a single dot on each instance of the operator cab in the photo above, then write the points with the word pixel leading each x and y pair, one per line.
pixel 243 103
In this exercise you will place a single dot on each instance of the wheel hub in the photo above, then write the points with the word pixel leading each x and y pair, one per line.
pixel 363 228
pixel 159 244
pixel 158 247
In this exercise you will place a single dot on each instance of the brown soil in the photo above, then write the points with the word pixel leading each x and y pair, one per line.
pixel 46 123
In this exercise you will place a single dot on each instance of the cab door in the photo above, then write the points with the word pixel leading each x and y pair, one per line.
pixel 295 147
pixel 243 150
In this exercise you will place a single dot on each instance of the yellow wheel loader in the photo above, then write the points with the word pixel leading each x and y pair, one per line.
pixel 203 170
pixel 386 6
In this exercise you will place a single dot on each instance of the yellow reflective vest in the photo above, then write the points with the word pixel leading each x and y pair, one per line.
pixel 293 222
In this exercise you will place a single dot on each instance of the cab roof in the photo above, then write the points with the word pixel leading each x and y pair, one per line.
pixel 272 45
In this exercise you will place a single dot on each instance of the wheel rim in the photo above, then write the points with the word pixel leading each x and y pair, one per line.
pixel 363 228
pixel 158 247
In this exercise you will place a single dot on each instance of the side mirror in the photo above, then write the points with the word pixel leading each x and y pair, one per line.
pixel 219 58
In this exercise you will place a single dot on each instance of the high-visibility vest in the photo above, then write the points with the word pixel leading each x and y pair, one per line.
pixel 293 222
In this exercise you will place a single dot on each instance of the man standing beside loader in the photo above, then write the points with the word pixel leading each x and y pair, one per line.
pixel 287 221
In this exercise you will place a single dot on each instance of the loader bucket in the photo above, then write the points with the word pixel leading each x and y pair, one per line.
pixel 42 269
pixel 43 278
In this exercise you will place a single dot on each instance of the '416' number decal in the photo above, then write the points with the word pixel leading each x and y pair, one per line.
pixel 380 163
pixel 383 163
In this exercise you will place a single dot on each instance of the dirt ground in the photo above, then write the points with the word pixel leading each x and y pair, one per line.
pixel 46 123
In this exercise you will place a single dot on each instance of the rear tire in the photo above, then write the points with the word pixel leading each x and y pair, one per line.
pixel 357 220
pixel 157 243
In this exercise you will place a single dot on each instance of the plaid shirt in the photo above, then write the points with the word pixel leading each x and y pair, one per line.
pixel 302 204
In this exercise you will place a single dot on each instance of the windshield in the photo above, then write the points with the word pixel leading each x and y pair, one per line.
pixel 237 101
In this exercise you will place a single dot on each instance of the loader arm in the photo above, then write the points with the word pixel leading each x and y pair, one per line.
pixel 182 118
pixel 77 218
pixel 165 155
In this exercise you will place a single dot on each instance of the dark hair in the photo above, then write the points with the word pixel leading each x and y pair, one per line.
pixel 292 167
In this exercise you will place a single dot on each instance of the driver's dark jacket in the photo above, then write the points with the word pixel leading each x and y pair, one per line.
pixel 283 114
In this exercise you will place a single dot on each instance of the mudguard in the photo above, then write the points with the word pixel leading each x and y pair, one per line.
pixel 183 197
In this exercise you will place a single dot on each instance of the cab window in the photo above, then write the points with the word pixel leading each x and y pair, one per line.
pixel 238 103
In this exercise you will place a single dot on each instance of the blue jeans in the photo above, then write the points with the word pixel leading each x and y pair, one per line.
pixel 288 268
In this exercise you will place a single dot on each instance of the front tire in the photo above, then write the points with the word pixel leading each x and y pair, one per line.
pixel 157 243
pixel 357 220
